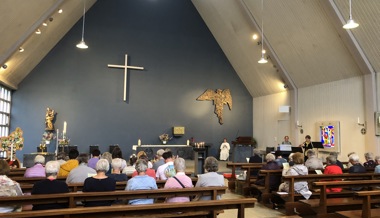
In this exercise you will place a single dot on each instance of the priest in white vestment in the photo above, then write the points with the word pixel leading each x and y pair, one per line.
pixel 224 150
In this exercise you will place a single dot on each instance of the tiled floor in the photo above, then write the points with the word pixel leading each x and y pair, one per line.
pixel 258 211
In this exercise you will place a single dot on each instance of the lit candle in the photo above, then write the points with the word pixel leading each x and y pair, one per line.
pixel 139 142
pixel 64 128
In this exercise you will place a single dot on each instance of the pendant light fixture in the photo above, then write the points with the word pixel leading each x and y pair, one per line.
pixel 350 22
pixel 262 59
pixel 82 44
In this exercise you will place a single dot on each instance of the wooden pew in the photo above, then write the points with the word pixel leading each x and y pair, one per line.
pixel 233 167
pixel 267 174
pixel 16 172
pixel 339 200
pixel 366 211
pixel 32 180
pixel 187 209
pixel 72 197
pixel 318 177
pixel 369 170
pixel 75 187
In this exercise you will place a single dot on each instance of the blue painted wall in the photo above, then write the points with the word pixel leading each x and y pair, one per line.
pixel 181 60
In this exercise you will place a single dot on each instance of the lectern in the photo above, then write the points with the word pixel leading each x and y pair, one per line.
pixel 242 141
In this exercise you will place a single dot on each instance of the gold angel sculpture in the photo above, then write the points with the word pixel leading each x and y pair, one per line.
pixel 220 98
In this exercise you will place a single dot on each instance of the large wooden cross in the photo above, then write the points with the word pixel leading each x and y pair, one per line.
pixel 126 67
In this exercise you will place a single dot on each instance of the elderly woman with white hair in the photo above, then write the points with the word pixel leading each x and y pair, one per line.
pixel 180 180
pixel 370 162
pixel 141 182
pixel 38 170
pixel 50 185
pixel 211 177
pixel 274 180
pixel 99 183
pixel 356 166
pixel 313 162
pixel 117 164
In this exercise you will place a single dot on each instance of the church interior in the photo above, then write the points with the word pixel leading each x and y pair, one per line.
pixel 289 68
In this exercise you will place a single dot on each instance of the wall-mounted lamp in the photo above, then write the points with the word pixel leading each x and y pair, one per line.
pixel 360 124
pixel 299 126
pixel 362 130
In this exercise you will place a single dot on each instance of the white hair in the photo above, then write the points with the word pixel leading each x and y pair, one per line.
pixel 270 157
pixel 354 157
pixel 116 163
pixel 39 159
pixel 52 167
pixel 102 165
pixel 180 164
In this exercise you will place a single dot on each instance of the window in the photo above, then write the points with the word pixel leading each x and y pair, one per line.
pixel 5 110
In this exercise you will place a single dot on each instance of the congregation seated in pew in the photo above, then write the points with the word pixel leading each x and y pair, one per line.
pixel 70 164
pixel 180 180
pixel 117 170
pixel 50 185
pixel 149 171
pixel 211 177
pixel 81 172
pixel 313 162
pixel 99 183
pixel 38 170
pixel 298 168
pixel 166 170
pixel 332 168
pixel 8 187
pixel 141 182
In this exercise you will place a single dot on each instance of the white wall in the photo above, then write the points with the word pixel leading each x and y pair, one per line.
pixel 341 101
pixel 268 122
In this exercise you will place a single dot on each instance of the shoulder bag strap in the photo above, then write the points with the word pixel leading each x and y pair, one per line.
pixel 179 182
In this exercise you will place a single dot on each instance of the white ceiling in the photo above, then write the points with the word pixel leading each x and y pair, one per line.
pixel 304 38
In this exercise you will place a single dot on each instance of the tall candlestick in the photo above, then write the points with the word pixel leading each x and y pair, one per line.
pixel 56 146
pixel 11 152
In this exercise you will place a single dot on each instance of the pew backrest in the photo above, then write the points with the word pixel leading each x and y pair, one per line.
pixel 72 197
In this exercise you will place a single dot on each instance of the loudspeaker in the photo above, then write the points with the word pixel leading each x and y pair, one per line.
pixel 112 147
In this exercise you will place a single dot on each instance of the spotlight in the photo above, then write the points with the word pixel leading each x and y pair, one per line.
pixel 44 24
pixel 60 11
pixel 51 19
pixel 21 49
pixel 285 86
pixel 4 66
pixel 38 31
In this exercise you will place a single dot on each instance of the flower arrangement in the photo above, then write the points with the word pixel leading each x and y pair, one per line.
pixel 15 138
pixel 165 137
pixel 47 137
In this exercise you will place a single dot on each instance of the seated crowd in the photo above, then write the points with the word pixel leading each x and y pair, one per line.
pixel 101 172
